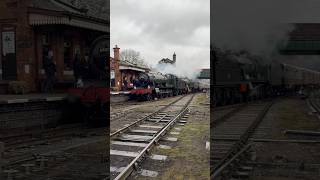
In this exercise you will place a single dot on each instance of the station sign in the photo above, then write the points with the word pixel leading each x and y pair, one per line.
pixel 8 42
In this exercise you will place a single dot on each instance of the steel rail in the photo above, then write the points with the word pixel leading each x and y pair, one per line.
pixel 220 170
pixel 237 147
pixel 119 131
pixel 313 103
pixel 227 115
pixel 134 163
pixel 237 107
pixel 218 108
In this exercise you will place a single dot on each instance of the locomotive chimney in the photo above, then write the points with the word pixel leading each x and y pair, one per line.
pixel 116 53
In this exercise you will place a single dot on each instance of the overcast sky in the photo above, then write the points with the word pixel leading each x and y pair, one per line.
pixel 158 28
pixel 258 25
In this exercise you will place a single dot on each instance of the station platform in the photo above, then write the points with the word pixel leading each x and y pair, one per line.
pixel 115 96
pixel 119 93
pixel 24 98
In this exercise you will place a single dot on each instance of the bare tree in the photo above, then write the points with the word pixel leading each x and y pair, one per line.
pixel 133 57
pixel 130 55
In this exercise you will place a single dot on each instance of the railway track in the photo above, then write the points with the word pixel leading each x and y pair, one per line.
pixel 118 111
pixel 130 145
pixel 314 102
pixel 32 137
pixel 231 133
pixel 27 144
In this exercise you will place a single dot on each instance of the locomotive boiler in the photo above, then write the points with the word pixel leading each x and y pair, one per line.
pixel 157 85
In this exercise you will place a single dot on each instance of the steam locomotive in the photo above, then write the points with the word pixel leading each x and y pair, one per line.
pixel 157 85
pixel 93 95
pixel 242 77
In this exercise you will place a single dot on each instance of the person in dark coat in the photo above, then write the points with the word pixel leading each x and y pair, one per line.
pixel 125 83
pixel 50 70
pixel 136 82
pixel 77 69
pixel 84 67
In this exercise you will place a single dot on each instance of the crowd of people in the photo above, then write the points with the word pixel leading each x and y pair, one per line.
pixel 80 70
pixel 140 82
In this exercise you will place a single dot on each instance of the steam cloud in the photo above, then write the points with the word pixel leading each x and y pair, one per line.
pixel 255 26
pixel 259 25
pixel 158 28
pixel 180 72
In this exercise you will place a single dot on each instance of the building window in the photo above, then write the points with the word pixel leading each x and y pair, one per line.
pixel 112 79
pixel 67 58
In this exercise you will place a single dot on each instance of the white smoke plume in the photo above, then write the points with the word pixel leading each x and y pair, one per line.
pixel 178 71
pixel 190 69
pixel 158 28
pixel 253 25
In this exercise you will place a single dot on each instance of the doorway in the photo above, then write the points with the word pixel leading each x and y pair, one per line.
pixel 8 49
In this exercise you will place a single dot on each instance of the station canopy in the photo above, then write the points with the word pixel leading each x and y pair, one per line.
pixel 204 74
pixel 89 14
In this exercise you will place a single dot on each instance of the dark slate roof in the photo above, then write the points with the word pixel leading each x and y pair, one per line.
pixel 90 8
pixel 127 63
pixel 166 60
pixel 43 4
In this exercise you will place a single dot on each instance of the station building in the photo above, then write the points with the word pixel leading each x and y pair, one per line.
pixel 123 70
pixel 30 29
pixel 169 61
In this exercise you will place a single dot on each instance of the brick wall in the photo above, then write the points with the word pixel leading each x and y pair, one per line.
pixel 115 66
pixel 38 115
pixel 14 13
pixel 25 116
pixel 29 43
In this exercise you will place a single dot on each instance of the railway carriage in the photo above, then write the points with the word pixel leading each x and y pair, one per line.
pixel 241 77
pixel 296 78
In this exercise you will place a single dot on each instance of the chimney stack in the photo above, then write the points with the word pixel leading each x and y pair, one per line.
pixel 174 57
pixel 116 53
